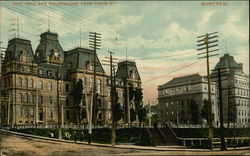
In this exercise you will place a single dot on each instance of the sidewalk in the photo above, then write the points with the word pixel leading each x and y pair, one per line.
pixel 135 147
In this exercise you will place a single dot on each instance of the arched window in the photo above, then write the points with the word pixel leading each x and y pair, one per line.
pixel 19 82
pixel 25 82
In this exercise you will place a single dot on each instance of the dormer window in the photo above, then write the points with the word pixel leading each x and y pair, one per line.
pixel 49 73
pixel 132 74
pixel 40 72
pixel 90 65
pixel 24 56
pixel 54 56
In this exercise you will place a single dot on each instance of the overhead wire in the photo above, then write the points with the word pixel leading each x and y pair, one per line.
pixel 172 71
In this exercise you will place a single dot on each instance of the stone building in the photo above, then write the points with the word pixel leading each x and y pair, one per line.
pixel 235 91
pixel 175 98
pixel 37 86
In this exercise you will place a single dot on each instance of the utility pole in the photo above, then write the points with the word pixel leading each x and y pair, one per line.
pixel 37 106
pixel 112 96
pixel 95 44
pixel 112 100
pixel 59 107
pixel 228 106
pixel 223 146
pixel 127 95
pixel 205 42
pixel 149 112
pixel 8 119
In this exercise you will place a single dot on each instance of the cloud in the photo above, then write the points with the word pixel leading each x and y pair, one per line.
pixel 205 18
pixel 232 28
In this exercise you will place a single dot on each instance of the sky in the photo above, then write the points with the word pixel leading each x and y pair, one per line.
pixel 159 36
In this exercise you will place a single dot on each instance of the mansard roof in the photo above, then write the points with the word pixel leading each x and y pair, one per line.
pixel 131 67
pixel 49 45
pixel 80 58
pixel 227 61
pixel 18 47
pixel 184 79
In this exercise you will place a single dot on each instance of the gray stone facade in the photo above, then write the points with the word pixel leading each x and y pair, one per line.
pixel 175 97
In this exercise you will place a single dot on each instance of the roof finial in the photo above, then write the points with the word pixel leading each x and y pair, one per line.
pixel 48 22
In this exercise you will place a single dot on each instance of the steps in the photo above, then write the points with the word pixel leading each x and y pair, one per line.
pixel 156 137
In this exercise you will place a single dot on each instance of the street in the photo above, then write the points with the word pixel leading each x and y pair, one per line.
pixel 15 145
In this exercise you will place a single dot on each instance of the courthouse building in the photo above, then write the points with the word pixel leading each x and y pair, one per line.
pixel 37 87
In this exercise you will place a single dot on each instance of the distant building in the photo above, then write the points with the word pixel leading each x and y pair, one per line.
pixel 36 87
pixel 175 98
pixel 235 91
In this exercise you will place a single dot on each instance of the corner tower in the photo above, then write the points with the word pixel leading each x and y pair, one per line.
pixel 49 50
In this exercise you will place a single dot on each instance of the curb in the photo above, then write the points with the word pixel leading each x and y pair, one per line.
pixel 184 149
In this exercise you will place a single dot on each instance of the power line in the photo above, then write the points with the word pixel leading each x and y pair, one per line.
pixel 172 71
pixel 166 56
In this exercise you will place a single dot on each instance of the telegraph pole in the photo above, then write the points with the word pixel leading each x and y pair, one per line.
pixel 223 146
pixel 205 42
pixel 95 44
pixel 228 107
pixel 112 100
pixel 112 96
pixel 59 107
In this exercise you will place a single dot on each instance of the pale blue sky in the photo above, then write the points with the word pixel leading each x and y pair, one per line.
pixel 149 29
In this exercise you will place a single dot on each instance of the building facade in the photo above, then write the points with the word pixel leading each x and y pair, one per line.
pixel 175 96
pixel 175 99
pixel 235 91
pixel 37 87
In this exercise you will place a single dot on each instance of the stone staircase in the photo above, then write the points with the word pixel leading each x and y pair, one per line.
pixel 156 137
pixel 162 136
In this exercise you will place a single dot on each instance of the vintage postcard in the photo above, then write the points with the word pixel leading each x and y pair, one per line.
pixel 124 77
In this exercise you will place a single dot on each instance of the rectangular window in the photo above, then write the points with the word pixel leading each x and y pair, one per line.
pixel 19 82
pixel 25 82
pixel 49 86
pixel 31 83
pixel 40 84
pixel 51 113
pixel 32 112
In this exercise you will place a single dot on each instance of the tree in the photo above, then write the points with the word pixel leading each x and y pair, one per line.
pixel 119 112
pixel 194 111
pixel 77 97
pixel 204 110
pixel 131 92
pixel 142 113
pixel 138 96
pixel 118 108
pixel 132 115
